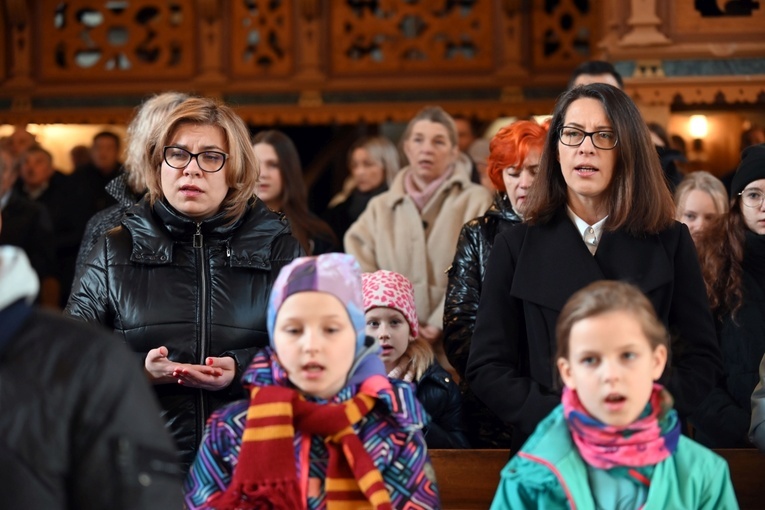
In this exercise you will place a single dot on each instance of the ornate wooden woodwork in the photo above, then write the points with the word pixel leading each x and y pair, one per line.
pixel 348 61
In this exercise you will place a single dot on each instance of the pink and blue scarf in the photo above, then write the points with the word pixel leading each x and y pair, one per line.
pixel 647 441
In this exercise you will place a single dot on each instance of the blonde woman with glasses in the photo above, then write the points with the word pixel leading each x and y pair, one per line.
pixel 185 279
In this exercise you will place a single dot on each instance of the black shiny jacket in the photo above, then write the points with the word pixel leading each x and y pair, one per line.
pixel 463 292
pixel 106 219
pixel 200 289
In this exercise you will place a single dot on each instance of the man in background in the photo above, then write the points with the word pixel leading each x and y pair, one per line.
pixel 596 71
pixel 28 226
pixel 104 166
pixel 68 207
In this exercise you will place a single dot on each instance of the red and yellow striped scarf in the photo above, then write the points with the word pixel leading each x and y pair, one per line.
pixel 265 476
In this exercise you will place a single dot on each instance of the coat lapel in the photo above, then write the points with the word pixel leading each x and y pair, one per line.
pixel 553 263
pixel 641 261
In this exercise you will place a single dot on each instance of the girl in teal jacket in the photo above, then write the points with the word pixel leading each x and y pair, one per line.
pixel 614 442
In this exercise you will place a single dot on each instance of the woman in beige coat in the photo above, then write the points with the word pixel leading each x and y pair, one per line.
pixel 412 229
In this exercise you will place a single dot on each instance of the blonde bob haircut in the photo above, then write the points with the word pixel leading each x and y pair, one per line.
pixel 149 117
pixel 241 166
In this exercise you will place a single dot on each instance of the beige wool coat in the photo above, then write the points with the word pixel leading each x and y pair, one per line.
pixel 392 234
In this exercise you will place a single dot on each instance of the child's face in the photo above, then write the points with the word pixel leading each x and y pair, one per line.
pixel 612 366
pixel 315 342
pixel 390 328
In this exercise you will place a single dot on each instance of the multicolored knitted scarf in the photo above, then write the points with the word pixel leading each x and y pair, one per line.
pixel 647 441
pixel 265 476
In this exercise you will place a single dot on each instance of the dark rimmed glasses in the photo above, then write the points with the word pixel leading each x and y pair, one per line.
pixel 573 137
pixel 752 197
pixel 207 161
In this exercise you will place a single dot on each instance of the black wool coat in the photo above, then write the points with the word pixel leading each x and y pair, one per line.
pixel 532 272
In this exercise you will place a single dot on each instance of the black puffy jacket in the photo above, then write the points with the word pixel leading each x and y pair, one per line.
pixel 463 291
pixel 440 396
pixel 79 425
pixel 200 289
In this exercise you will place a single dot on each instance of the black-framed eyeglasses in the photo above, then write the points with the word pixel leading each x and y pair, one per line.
pixel 573 137
pixel 207 161
pixel 752 197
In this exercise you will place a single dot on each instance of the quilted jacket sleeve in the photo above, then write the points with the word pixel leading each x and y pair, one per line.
pixel 89 300
pixel 462 295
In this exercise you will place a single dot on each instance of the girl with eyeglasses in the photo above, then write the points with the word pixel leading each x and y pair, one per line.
pixel 599 209
pixel 185 279
pixel 732 256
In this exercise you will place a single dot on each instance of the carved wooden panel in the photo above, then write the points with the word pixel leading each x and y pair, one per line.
pixel 699 90
pixel 115 39
pixel 513 23
pixel 384 36
pixel 737 20
pixel 565 33
pixel 262 37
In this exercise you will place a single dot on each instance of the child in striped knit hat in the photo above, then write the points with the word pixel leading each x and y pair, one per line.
pixel 323 425
pixel 392 319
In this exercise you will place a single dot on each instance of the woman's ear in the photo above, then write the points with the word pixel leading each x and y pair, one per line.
pixel 564 367
pixel 659 356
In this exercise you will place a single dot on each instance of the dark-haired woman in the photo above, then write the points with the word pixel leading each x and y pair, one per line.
pixel 599 209
pixel 732 255
pixel 280 186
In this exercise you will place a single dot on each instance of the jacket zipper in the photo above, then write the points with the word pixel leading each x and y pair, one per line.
pixel 200 248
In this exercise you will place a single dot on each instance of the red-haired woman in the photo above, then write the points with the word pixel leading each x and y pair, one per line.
pixel 513 161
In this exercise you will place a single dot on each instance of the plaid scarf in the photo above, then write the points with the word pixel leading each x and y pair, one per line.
pixel 265 476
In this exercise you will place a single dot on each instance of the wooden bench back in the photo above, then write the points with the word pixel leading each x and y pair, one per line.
pixel 467 479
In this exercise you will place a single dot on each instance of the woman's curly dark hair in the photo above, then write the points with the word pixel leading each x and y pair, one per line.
pixel 721 251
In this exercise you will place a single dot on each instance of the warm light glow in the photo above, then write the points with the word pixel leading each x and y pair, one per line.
pixel 698 127
pixel 58 139
pixel 496 125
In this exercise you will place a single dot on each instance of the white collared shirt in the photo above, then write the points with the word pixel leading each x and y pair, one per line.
pixel 590 233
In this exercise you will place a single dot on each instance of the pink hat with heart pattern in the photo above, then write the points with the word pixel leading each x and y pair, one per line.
pixel 389 289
